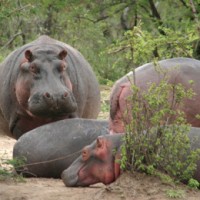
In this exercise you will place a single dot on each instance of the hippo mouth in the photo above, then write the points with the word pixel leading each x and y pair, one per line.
pixel 51 115
pixel 79 174
pixel 86 180
pixel 73 180
pixel 71 175
pixel 51 107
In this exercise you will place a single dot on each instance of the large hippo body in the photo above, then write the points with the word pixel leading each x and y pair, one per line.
pixel 180 70
pixel 45 81
pixel 99 161
pixel 51 148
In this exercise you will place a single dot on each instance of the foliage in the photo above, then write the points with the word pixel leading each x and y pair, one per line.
pixel 174 193
pixel 104 113
pixel 141 46
pixel 157 136
pixel 7 166
pixel 193 183
pixel 107 32
pixel 164 177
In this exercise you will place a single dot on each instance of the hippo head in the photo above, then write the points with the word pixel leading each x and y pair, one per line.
pixel 97 163
pixel 43 88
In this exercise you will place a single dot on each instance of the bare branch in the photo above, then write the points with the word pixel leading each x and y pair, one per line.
pixel 103 17
pixel 194 11
pixel 156 15
pixel 120 49
pixel 154 10
pixel 11 40
pixel 183 2
pixel 18 9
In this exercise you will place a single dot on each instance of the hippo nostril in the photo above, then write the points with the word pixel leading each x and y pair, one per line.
pixel 65 94
pixel 85 154
pixel 46 94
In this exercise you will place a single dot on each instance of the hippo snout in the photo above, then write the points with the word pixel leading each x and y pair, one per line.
pixel 49 96
pixel 69 179
pixel 55 100
pixel 52 104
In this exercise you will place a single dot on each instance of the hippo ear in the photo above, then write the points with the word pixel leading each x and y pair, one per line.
pixel 28 55
pixel 62 54
pixel 100 142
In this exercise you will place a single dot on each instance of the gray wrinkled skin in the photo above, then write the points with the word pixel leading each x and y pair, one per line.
pixel 60 141
pixel 71 176
pixel 80 97
pixel 177 71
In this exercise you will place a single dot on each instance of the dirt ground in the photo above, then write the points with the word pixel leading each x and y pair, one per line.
pixel 127 187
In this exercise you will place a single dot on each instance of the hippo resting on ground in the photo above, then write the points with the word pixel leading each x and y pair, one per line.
pixel 60 141
pixel 45 81
pixel 99 161
pixel 180 70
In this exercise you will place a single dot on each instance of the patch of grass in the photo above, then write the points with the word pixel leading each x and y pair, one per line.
pixel 193 183
pixel 165 178
pixel 175 193
pixel 105 104
pixel 7 171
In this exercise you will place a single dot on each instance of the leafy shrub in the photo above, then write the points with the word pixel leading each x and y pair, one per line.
pixel 7 168
pixel 193 183
pixel 157 136
pixel 139 46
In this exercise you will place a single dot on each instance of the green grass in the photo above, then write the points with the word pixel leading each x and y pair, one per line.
pixel 105 103
pixel 175 193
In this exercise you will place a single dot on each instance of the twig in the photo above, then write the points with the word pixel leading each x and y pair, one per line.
pixel 11 40
pixel 194 11
pixel 18 9
pixel 119 49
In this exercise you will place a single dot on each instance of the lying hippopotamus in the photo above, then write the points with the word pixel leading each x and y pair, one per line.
pixel 45 81
pixel 99 161
pixel 51 148
pixel 180 70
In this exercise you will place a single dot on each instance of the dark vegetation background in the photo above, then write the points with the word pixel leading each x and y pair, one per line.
pixel 113 35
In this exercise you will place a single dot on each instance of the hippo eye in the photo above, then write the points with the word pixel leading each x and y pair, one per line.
pixel 34 69
pixel 62 67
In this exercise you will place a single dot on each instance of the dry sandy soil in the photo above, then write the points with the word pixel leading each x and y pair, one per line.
pixel 128 186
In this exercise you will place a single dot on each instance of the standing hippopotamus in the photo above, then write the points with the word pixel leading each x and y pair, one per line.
pixel 51 148
pixel 99 161
pixel 45 81
pixel 180 70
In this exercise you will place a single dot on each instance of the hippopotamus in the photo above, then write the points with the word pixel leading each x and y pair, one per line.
pixel 100 161
pixel 96 163
pixel 176 70
pixel 51 148
pixel 45 81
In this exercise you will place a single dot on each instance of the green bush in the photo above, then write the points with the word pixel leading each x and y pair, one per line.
pixel 7 168
pixel 157 136
pixel 193 183
pixel 139 46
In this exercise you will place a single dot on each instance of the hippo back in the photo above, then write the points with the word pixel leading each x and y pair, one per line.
pixel 50 149
pixel 182 71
